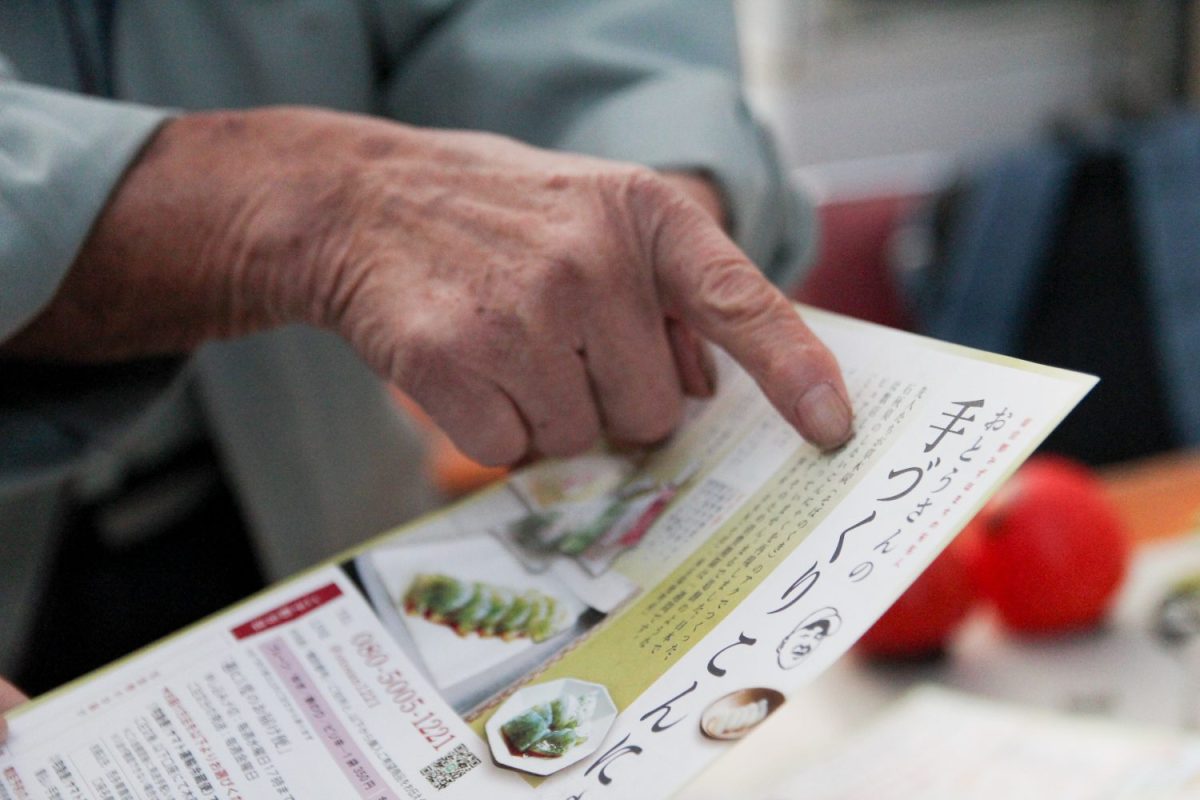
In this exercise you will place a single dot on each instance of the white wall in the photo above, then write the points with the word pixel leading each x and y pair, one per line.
pixel 850 79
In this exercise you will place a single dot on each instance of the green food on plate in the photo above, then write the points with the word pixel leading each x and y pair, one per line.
pixel 548 730
pixel 476 607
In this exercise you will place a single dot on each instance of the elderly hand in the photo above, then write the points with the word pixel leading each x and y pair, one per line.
pixel 530 300
pixel 10 698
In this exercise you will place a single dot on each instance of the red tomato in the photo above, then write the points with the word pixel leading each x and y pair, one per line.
pixel 1053 550
pixel 920 623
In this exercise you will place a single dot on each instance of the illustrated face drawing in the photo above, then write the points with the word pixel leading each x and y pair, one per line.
pixel 807 636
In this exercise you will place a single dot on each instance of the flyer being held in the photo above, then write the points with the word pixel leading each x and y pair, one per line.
pixel 599 627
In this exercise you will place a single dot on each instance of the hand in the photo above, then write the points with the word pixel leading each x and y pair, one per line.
pixel 10 698
pixel 529 300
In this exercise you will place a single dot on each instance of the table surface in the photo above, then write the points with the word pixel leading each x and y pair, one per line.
pixel 1106 672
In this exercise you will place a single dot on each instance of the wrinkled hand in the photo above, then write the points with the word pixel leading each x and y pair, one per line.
pixel 10 698
pixel 529 300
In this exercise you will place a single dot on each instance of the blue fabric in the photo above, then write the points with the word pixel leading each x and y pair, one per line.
pixel 1165 167
pixel 984 284
pixel 993 256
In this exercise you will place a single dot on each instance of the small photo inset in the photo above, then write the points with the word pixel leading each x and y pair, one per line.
pixel 589 511
pixel 736 714
pixel 547 727
pixel 471 617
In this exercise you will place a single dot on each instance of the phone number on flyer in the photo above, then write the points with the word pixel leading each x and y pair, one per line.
pixel 401 693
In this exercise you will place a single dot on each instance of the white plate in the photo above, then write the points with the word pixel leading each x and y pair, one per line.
pixel 449 657
pixel 595 729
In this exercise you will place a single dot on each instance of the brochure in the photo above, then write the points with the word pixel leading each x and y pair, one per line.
pixel 600 627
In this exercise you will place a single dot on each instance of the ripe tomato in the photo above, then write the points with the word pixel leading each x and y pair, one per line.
pixel 1053 551
pixel 920 623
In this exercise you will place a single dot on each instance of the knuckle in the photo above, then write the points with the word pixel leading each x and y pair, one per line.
pixel 733 293
pixel 439 344
pixel 583 272
pixel 645 186
pixel 415 358
pixel 654 199
pixel 493 338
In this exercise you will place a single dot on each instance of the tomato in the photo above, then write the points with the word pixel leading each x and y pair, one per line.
pixel 1053 550
pixel 921 622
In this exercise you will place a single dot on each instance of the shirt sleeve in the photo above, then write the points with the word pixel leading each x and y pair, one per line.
pixel 649 81
pixel 61 155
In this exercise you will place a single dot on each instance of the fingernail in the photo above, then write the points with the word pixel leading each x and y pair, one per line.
pixel 824 418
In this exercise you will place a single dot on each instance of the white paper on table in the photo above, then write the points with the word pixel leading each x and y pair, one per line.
pixel 937 744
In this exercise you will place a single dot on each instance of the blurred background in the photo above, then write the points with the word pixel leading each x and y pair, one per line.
pixel 1021 176
pixel 1015 175
pixel 841 80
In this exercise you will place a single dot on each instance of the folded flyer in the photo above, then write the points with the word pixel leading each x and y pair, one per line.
pixel 600 627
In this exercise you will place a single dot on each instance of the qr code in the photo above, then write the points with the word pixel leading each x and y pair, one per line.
pixel 450 767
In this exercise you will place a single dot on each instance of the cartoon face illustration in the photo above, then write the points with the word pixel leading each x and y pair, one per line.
pixel 808 635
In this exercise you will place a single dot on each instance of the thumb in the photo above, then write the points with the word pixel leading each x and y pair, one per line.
pixel 10 698
pixel 714 287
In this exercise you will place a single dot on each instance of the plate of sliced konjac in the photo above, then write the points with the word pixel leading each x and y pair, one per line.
pixel 546 727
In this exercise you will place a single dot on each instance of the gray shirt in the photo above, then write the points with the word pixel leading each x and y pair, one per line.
pixel 318 455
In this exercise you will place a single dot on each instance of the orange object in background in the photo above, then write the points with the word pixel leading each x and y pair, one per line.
pixel 1158 497
pixel 450 471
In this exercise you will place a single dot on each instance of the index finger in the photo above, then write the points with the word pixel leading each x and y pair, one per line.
pixel 712 285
